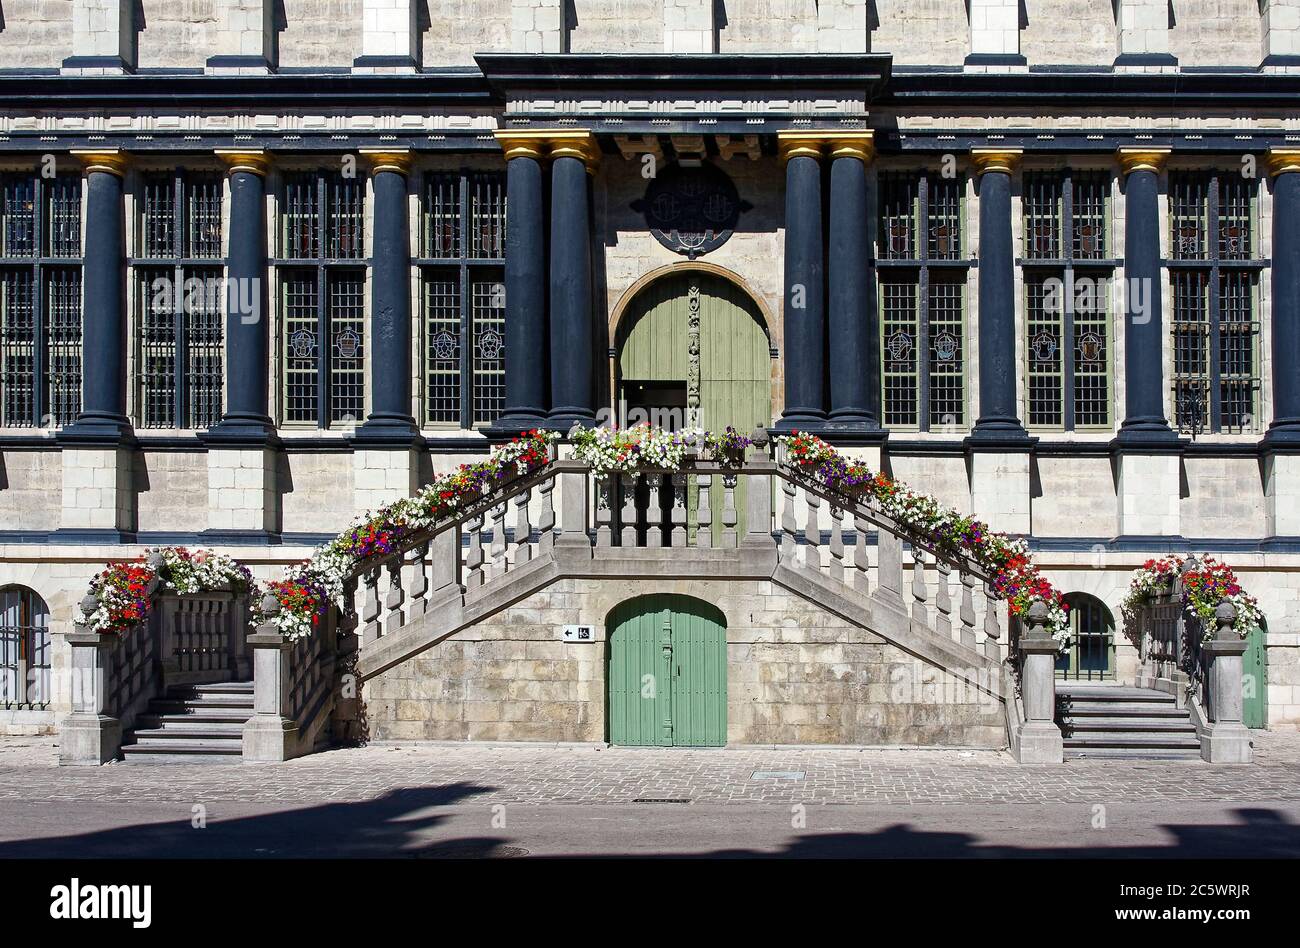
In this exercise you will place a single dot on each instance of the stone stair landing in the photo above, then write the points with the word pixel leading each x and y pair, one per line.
pixel 192 724
pixel 1122 721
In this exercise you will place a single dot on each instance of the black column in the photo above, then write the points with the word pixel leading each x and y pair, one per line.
pixel 997 420
pixel 804 314
pixel 248 317
pixel 1144 413
pixel 390 418
pixel 103 335
pixel 570 283
pixel 525 352
pixel 1285 429
pixel 854 360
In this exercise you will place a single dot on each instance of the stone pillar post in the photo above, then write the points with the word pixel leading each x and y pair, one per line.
pixel 758 496
pixel 243 500
pixel 574 156
pixel 689 26
pixel 1039 737
pixel 103 38
pixel 1146 449
pixel 842 26
pixel 851 320
pixel 390 38
pixel 804 310
pixel 995 37
pixel 525 396
pixel 573 506
pixel 1142 36
pixel 1224 738
pixel 244 40
pixel 538 26
pixel 88 736
pixel 269 735
pixel 1281 36
pixel 1282 442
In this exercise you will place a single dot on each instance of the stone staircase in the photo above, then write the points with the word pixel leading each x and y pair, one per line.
pixel 1120 721
pixel 192 724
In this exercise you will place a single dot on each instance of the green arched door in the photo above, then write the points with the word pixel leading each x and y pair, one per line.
pixel 692 351
pixel 667 673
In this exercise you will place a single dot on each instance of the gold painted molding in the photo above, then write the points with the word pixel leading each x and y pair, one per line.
pixel 111 160
pixel 253 160
pixel 798 144
pixel 1140 158
pixel 1004 160
pixel 1283 160
pixel 387 159
pixel 551 143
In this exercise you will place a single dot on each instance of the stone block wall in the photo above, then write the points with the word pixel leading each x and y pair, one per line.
pixel 1216 32
pixel 37 33
pixel 457 29
pixel 769 26
pixel 538 26
pixel 320 33
pixel 632 26
pixel 796 674
pixel 1068 32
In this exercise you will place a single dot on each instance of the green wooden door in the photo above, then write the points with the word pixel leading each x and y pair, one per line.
pixel 667 673
pixel 735 365
pixel 1254 680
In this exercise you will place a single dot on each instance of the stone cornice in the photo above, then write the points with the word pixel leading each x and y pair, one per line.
pixel 1004 160
pixel 1142 158
pixel 110 160
pixel 253 160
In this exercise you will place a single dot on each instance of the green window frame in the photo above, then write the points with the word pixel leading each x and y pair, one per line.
pixel 462 274
pixel 1214 272
pixel 921 274
pixel 40 300
pixel 179 299
pixel 1067 276
pixel 321 271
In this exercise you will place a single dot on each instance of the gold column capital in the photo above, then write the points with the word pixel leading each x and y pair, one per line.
pixel 859 145
pixel 111 160
pixel 1004 160
pixel 1282 160
pixel 577 143
pixel 800 144
pixel 396 159
pixel 1142 158
pixel 253 160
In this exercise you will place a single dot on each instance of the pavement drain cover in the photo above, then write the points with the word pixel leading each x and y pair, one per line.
pixel 778 775
pixel 661 800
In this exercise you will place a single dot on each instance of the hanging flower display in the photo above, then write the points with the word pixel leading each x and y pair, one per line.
pixel 626 450
pixel 123 592
pixel 1206 584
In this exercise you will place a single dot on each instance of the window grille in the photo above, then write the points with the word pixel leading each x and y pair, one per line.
pixel 24 649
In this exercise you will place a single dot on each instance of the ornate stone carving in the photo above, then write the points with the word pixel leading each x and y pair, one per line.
pixel 693 355
pixel 692 211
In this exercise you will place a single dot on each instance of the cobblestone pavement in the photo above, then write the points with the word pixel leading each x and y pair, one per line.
pixel 547 774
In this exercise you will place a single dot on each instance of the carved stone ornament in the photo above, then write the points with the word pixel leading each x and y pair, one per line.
pixel 692 211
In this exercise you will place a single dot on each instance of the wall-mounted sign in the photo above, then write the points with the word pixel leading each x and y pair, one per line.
pixel 579 633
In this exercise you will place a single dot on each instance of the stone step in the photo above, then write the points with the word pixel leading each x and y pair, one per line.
pixel 193 751
pixel 211 689
pixel 1130 753
pixel 233 730
pixel 1120 710
pixel 1115 695
pixel 235 716
pixel 1129 726
pixel 184 706
pixel 1134 741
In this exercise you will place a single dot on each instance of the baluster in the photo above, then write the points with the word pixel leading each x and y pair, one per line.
pixel 704 520
pixel 654 513
pixel 523 529
pixel 474 556
pixel 943 600
pixel 758 496
pixel 370 608
pixel 967 612
pixel 605 526
pixel 677 533
pixel 444 560
pixel 919 591
pixel 861 562
pixel 627 516
pixel 546 517
pixel 789 542
pixel 890 549
pixel 497 551
pixel 812 530
pixel 419 580
pixel 396 596
pixel 992 627
pixel 348 613
pixel 730 538
pixel 837 544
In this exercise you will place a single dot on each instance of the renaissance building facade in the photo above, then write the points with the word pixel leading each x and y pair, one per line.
pixel 267 266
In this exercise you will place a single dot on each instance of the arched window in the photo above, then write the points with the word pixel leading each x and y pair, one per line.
pixel 1091 656
pixel 24 649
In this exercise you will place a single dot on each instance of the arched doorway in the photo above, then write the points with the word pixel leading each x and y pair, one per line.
pixel 666 673
pixel 24 648
pixel 1091 656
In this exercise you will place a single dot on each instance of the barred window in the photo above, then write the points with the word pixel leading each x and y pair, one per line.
pixel 180 300
pixel 1067 282
pixel 920 246
pixel 322 293
pixel 1214 276
pixel 462 268
pixel 24 649
pixel 40 300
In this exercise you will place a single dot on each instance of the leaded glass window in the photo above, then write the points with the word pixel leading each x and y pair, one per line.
pixel 1214 276
pixel 1067 284
pixel 180 300
pixel 462 241
pixel 24 649
pixel 40 300
pixel 922 274
pixel 322 299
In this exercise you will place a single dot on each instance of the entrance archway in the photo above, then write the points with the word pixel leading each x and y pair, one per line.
pixel 666 672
